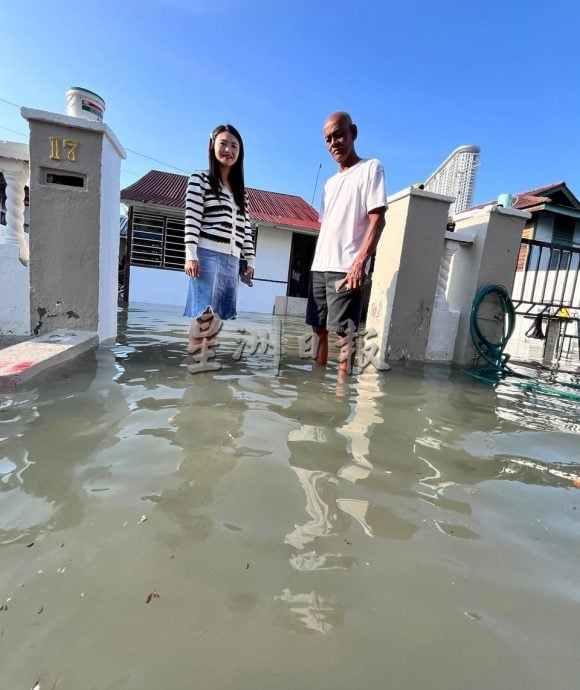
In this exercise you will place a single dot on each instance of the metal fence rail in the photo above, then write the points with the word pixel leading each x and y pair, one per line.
pixel 547 278
pixel 547 289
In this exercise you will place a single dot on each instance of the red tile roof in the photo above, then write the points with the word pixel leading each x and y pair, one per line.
pixel 168 189
pixel 528 199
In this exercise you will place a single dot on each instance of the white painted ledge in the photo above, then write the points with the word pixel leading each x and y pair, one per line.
pixel 20 363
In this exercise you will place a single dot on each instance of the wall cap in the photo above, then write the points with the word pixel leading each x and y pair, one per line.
pixel 31 114
pixel 423 193
pixel 461 236
pixel 14 150
pixel 492 208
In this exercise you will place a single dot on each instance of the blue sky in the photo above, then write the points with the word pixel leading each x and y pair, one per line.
pixel 419 78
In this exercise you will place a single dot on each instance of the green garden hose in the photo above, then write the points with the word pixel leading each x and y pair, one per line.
pixel 495 368
pixel 492 352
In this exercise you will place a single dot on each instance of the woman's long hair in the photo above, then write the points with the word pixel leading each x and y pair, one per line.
pixel 236 178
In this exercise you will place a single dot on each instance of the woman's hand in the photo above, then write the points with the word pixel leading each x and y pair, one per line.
pixel 191 268
pixel 249 271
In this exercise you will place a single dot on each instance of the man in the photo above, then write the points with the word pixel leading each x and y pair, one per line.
pixel 296 278
pixel 352 219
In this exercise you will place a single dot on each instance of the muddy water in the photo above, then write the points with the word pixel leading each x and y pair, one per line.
pixel 257 529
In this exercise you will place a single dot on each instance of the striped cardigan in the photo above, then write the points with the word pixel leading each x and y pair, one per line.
pixel 217 224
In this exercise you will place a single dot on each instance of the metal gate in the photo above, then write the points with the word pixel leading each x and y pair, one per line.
pixel 547 288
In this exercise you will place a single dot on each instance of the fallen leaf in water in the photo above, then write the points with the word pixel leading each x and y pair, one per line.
pixel 36 686
pixel 143 519
pixel 152 595
pixel 29 545
pixel 40 610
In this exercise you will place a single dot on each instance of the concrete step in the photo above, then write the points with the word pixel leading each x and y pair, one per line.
pixel 24 361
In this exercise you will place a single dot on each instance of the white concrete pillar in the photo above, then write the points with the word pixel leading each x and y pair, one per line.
pixel 405 274
pixel 553 331
pixel 14 273
pixel 445 321
pixel 280 305
pixel 14 166
pixel 14 292
pixel 491 259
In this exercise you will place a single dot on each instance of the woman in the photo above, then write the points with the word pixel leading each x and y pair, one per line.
pixel 217 234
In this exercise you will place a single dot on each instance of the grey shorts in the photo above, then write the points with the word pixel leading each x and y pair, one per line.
pixel 337 312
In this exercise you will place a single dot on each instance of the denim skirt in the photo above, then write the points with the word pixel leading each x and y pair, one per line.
pixel 217 285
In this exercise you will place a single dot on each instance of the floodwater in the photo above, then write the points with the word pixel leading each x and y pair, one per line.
pixel 259 529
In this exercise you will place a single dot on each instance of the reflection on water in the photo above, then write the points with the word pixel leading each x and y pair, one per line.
pixel 398 520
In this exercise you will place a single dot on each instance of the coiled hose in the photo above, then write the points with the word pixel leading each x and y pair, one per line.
pixel 495 367
pixel 493 352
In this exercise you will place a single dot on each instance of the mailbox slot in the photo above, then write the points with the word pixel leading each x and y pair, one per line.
pixel 60 178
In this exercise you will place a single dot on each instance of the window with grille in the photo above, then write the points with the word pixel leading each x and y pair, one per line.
pixel 174 256
pixel 157 242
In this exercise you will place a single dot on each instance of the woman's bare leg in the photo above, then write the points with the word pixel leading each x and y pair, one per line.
pixel 200 329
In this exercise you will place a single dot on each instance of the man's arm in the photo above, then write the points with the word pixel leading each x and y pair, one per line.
pixel 356 274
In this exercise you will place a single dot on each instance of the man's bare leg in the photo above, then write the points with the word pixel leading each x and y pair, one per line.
pixel 347 352
pixel 322 349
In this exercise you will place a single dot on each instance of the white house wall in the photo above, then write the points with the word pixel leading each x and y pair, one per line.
pixel 157 286
pixel 271 277
pixel 160 286
pixel 273 250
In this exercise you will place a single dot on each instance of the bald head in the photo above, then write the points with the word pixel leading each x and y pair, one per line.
pixel 341 117
pixel 340 134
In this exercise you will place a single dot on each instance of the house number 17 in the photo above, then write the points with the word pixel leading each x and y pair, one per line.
pixel 70 146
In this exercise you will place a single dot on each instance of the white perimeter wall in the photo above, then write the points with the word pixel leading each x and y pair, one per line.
pixel 109 241
pixel 159 286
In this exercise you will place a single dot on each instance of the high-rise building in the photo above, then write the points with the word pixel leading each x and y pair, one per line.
pixel 456 177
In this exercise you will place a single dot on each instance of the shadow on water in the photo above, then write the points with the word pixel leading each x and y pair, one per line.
pixel 271 503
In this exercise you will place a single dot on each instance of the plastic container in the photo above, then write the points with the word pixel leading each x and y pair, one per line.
pixel 84 103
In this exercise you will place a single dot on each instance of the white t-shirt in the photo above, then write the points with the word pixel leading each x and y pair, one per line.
pixel 348 197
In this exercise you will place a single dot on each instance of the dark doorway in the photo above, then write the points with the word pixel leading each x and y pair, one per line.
pixel 301 256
